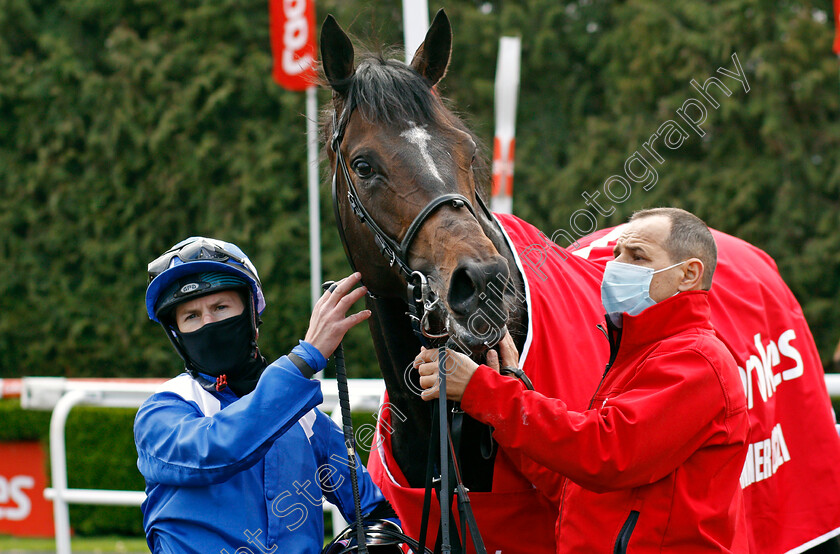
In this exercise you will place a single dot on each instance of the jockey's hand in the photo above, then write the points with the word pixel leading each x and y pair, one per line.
pixel 459 370
pixel 328 323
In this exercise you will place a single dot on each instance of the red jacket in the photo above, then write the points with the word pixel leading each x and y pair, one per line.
pixel 655 461
pixel 513 505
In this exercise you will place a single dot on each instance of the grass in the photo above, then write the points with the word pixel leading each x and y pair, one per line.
pixel 98 545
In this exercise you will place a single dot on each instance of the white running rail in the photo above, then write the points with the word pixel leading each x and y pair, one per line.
pixel 61 395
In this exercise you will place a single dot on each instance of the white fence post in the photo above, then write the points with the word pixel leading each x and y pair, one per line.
pixel 58 460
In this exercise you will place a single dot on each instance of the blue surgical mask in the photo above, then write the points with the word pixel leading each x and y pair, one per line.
pixel 626 287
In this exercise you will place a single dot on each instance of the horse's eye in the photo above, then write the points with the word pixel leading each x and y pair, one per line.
pixel 362 169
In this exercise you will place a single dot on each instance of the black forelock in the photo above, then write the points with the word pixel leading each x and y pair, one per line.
pixel 388 91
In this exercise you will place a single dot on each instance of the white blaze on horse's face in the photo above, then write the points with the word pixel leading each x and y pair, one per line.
pixel 420 137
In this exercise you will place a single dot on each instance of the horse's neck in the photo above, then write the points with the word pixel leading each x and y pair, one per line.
pixel 410 424
pixel 396 347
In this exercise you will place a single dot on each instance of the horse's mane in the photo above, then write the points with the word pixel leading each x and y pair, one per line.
pixel 386 91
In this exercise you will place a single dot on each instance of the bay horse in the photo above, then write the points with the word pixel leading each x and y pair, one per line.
pixel 407 181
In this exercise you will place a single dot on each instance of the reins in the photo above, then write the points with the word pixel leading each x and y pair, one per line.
pixel 447 488
pixel 349 442
pixel 350 445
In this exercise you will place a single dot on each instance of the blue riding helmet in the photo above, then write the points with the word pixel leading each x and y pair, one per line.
pixel 199 255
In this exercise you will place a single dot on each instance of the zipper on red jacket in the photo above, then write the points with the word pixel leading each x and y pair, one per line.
pixel 623 538
pixel 614 338
pixel 613 335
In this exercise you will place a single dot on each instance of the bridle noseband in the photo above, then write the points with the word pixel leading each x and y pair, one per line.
pixel 420 298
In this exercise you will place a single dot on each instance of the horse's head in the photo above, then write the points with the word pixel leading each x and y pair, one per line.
pixel 409 165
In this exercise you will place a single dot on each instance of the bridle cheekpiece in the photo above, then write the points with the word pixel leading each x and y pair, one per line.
pixel 421 299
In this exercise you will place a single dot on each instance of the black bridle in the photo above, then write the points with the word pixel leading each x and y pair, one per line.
pixel 420 298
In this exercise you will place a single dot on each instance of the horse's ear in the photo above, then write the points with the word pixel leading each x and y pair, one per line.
pixel 336 55
pixel 432 57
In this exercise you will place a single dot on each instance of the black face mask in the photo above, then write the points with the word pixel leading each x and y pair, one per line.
pixel 224 348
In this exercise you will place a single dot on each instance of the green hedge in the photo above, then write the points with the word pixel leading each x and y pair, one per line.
pixel 128 125
pixel 21 425
pixel 100 455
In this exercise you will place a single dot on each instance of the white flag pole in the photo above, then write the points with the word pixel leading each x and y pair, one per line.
pixel 314 198
pixel 415 25
pixel 506 96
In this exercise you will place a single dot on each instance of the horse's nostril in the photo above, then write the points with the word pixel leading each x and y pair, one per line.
pixel 462 292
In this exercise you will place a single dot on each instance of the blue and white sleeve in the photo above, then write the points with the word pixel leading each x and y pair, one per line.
pixel 178 445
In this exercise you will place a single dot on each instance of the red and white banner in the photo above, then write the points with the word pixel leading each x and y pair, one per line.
pixel 503 153
pixel 293 43
pixel 506 95
pixel 837 27
pixel 23 510
pixel 292 30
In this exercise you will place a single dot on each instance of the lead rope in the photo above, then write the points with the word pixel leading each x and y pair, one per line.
pixel 441 434
pixel 443 422
pixel 448 456
pixel 349 439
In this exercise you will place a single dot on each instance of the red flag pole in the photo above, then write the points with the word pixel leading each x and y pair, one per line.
pixel 837 27
pixel 292 26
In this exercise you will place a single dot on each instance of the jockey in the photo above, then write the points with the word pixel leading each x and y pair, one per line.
pixel 653 464
pixel 235 454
